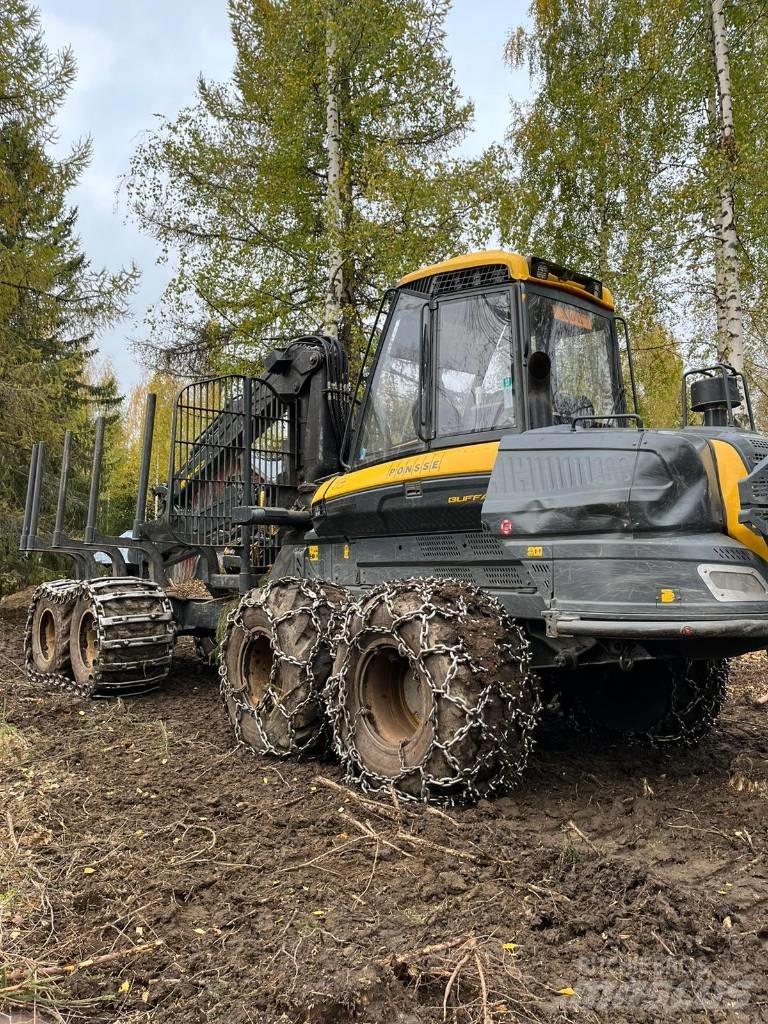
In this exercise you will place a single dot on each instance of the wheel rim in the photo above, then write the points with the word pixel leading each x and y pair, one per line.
pixel 46 636
pixel 86 639
pixel 394 695
pixel 255 667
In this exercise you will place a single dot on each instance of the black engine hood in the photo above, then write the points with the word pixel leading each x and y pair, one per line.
pixel 559 481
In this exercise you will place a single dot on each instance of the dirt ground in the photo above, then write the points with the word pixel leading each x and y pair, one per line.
pixel 204 884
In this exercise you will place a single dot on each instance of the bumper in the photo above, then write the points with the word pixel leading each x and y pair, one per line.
pixel 561 625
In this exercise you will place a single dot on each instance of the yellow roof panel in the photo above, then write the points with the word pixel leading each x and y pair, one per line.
pixel 518 271
pixel 518 265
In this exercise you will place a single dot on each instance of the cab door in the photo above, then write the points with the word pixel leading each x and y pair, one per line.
pixel 443 391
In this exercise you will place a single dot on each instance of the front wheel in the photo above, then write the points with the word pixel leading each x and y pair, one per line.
pixel 275 658
pixel 675 701
pixel 431 693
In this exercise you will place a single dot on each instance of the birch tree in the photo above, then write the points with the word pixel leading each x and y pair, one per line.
pixel 335 299
pixel 291 195
pixel 626 160
pixel 727 285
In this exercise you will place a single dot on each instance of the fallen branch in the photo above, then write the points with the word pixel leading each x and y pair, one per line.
pixel 11 829
pixel 63 970
pixel 451 980
pixel 580 834
pixel 439 947
pixel 487 1019
pixel 384 809
pixel 541 890
pixel 371 834
pixel 321 856
pixel 406 837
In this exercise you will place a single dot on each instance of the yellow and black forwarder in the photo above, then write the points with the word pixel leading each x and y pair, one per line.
pixel 482 525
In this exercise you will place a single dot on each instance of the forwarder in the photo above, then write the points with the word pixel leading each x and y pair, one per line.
pixel 480 525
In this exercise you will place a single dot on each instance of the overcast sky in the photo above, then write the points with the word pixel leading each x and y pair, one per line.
pixel 140 60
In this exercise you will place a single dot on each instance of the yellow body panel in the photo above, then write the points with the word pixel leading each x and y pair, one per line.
pixel 518 271
pixel 730 470
pixel 465 460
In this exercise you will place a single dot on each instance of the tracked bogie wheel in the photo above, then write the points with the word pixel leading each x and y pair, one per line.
pixel 48 624
pixel 431 693
pixel 672 701
pixel 122 636
pixel 100 637
pixel 275 659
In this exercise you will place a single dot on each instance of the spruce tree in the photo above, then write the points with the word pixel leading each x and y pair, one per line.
pixel 52 302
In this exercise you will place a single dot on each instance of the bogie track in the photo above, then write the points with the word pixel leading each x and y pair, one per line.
pixel 118 632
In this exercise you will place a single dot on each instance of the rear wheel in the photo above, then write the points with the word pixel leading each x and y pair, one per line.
pixel 122 636
pixel 674 701
pixel 431 693
pixel 84 642
pixel 49 637
pixel 275 658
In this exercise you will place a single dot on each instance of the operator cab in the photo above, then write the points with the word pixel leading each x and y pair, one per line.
pixel 484 345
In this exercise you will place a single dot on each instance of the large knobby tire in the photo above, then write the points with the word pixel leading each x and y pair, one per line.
pixel 274 661
pixel 668 701
pixel 49 637
pixel 431 693
pixel 84 642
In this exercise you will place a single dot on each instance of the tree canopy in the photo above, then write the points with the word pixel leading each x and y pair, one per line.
pixel 622 161
pixel 295 192
pixel 52 301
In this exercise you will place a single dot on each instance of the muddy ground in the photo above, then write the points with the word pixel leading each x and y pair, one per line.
pixel 620 884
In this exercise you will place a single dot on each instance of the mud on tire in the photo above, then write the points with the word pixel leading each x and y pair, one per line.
pixel 47 638
pixel 431 693
pixel 122 636
pixel 275 658
pixel 672 701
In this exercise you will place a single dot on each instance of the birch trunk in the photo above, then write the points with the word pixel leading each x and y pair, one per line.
pixel 727 288
pixel 335 290
pixel 719 285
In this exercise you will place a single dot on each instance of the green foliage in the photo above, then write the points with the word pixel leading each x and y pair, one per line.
pixel 658 373
pixel 52 302
pixel 119 493
pixel 238 183
pixel 617 163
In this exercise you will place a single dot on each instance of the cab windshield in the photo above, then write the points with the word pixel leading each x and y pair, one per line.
pixel 472 384
pixel 579 344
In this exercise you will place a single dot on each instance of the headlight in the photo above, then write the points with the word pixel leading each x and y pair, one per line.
pixel 734 583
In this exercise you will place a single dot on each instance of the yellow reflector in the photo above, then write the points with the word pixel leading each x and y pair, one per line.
pixel 667 596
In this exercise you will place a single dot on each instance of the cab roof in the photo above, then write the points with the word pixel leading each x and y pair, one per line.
pixel 520 268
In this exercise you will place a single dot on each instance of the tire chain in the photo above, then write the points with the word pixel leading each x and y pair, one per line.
pixel 698 715
pixel 99 591
pixel 519 717
pixel 693 719
pixel 315 593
